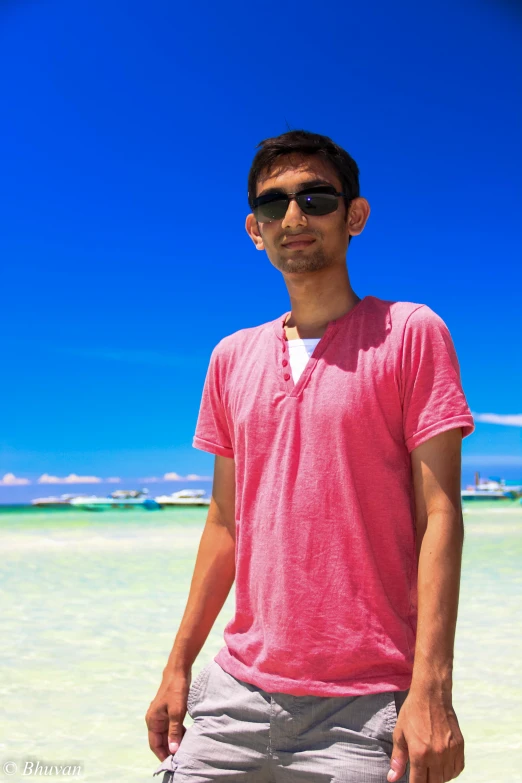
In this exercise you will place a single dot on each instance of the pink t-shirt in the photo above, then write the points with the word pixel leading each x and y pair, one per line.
pixel 326 564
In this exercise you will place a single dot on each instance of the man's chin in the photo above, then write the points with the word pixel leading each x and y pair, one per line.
pixel 299 262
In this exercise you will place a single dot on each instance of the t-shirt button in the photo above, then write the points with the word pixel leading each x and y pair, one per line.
pixel 285 362
pixel 286 376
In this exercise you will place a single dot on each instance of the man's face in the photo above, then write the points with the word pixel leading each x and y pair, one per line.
pixel 298 242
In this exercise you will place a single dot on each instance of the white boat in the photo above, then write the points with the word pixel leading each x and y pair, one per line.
pixel 121 498
pixel 486 494
pixel 185 497
pixel 53 502
pixel 490 489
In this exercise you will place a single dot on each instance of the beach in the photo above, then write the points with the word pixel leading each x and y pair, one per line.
pixel 92 602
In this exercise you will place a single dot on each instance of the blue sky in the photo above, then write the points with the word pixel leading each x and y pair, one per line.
pixel 127 133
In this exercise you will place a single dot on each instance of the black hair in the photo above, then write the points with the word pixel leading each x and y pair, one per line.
pixel 301 142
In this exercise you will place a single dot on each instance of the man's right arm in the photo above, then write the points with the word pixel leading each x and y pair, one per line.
pixel 211 583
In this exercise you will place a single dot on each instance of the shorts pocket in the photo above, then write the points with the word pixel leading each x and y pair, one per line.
pixel 173 767
pixel 391 713
pixel 167 767
pixel 397 699
pixel 197 688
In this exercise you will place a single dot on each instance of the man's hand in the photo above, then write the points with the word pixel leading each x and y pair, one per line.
pixel 165 715
pixel 427 732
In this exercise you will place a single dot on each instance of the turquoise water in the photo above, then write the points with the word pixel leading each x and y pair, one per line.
pixel 92 603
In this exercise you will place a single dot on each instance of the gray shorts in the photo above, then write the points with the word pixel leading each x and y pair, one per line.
pixel 242 733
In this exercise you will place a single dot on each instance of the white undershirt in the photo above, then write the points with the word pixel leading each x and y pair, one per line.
pixel 299 353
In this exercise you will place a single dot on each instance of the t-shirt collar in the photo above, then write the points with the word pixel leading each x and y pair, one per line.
pixel 279 323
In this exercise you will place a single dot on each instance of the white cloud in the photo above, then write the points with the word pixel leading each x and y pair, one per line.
pixel 507 419
pixel 72 478
pixel 174 477
pixel 113 480
pixel 492 461
pixel 10 480
pixel 190 477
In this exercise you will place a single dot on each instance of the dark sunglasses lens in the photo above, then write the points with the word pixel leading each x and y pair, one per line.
pixel 271 210
pixel 317 203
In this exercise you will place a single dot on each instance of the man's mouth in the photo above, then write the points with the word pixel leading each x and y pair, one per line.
pixel 298 243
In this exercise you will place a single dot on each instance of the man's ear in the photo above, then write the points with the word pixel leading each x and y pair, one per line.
pixel 252 229
pixel 358 214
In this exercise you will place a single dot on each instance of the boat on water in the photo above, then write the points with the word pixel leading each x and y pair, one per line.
pixel 491 489
pixel 120 499
pixel 126 498
pixel 185 497
pixel 53 502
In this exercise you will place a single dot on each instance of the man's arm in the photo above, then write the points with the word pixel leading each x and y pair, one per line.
pixel 212 580
pixel 427 729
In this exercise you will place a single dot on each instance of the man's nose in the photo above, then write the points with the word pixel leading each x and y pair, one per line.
pixel 294 216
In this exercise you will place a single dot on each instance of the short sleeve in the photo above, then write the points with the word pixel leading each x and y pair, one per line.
pixel 212 429
pixel 433 398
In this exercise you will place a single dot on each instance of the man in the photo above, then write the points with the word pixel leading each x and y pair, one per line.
pixel 337 431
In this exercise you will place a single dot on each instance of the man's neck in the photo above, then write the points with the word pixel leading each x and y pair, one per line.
pixel 315 301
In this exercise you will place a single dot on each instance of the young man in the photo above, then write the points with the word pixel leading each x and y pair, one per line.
pixel 337 431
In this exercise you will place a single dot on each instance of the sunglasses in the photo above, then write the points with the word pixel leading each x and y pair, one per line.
pixel 321 200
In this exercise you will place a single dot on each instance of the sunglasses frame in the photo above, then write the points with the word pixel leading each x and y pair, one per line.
pixel 319 190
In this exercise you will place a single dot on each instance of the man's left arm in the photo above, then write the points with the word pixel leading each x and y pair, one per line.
pixel 427 730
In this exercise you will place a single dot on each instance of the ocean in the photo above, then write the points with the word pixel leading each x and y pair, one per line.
pixel 92 602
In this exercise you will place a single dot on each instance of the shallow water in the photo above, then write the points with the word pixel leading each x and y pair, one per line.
pixel 92 603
